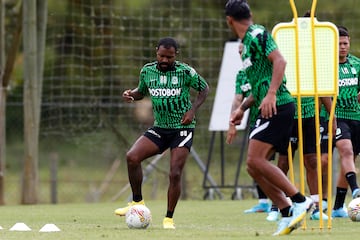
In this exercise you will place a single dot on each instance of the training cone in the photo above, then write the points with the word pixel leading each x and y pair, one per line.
pixel 50 227
pixel 20 227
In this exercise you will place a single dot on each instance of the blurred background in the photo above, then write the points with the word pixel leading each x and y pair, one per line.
pixel 94 51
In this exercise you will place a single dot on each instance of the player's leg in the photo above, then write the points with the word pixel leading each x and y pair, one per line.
pixel 177 163
pixel 268 135
pixel 180 142
pixel 339 209
pixel 141 149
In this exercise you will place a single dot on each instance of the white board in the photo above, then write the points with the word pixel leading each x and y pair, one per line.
pixel 225 91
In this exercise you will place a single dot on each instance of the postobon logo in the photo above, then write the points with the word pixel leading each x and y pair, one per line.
pixel 164 92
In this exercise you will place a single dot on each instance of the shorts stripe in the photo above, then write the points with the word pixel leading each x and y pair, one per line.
pixel 188 138
pixel 259 129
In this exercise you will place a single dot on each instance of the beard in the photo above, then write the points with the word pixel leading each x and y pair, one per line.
pixel 164 67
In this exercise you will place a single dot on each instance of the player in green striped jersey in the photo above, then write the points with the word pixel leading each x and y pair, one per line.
pixel 347 139
pixel 265 67
pixel 168 83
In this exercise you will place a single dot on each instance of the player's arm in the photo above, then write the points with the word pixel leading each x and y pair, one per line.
pixel 237 115
pixel 132 95
pixel 231 133
pixel 327 102
pixel 199 100
pixel 268 104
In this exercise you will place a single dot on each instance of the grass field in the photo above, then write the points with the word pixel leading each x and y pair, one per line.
pixel 220 219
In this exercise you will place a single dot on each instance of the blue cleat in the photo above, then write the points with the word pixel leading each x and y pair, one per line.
pixel 299 211
pixel 283 228
pixel 261 207
pixel 339 213
pixel 316 215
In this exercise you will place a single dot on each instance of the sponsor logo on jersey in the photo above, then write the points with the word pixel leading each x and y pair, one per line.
pixel 348 82
pixel 246 87
pixel 165 92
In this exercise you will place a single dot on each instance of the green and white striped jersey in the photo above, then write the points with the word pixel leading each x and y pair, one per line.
pixel 258 44
pixel 347 105
pixel 170 92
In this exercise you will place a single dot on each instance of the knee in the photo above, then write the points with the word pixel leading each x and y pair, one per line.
pixel 175 176
pixel 132 159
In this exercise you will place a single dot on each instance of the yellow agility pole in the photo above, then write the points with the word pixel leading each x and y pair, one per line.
pixel 310 48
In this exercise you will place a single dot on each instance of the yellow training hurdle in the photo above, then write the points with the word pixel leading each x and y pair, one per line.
pixel 310 48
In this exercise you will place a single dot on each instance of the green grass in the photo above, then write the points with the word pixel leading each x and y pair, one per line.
pixel 220 219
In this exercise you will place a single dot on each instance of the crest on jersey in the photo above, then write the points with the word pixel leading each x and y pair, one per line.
pixel 174 80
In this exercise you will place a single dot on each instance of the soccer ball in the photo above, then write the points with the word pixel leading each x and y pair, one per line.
pixel 354 210
pixel 138 217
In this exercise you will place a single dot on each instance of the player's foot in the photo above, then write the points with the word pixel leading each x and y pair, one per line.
pixel 168 223
pixel 316 215
pixel 356 193
pixel 324 205
pixel 299 211
pixel 273 216
pixel 339 213
pixel 261 207
pixel 283 228
pixel 123 211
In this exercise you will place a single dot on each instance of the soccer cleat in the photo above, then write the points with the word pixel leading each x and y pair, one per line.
pixel 339 213
pixel 316 215
pixel 123 211
pixel 261 207
pixel 273 216
pixel 283 228
pixel 299 211
pixel 356 193
pixel 324 205
pixel 168 223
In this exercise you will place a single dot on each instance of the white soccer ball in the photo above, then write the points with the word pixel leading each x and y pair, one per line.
pixel 354 210
pixel 138 216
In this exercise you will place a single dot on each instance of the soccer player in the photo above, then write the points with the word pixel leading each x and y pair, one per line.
pixel 168 83
pixel 347 111
pixel 265 67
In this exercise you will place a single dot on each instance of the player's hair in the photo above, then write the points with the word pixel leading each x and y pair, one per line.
pixel 343 31
pixel 238 9
pixel 167 43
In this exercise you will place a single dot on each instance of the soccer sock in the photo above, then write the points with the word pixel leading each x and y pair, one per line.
pixel 298 198
pixel 260 192
pixel 137 198
pixel 274 208
pixel 351 179
pixel 169 214
pixel 285 212
pixel 340 197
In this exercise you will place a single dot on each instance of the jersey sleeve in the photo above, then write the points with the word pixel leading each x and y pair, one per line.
pixel 264 43
pixel 142 87
pixel 242 85
pixel 197 81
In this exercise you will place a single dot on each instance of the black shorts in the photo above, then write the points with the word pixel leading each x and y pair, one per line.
pixel 170 138
pixel 309 135
pixel 349 129
pixel 324 135
pixel 276 130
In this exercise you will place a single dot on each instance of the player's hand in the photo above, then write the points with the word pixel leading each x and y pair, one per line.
pixel 188 117
pixel 231 134
pixel 127 96
pixel 236 116
pixel 268 106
